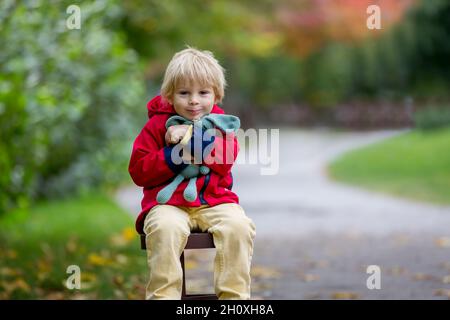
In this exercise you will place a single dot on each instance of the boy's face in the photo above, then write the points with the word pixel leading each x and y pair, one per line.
pixel 192 100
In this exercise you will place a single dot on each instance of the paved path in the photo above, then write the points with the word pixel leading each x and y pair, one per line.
pixel 315 237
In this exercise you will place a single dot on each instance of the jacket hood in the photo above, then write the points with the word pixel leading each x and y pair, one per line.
pixel 158 105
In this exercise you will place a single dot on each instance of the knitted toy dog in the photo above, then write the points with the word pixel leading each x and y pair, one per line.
pixel 226 123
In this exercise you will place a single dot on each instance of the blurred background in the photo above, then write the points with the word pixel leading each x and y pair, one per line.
pixel 364 119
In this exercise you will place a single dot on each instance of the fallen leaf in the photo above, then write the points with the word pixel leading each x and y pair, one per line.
pixel 119 294
pixel 308 277
pixel 397 271
pixel 197 255
pixel 9 272
pixel 55 296
pixel 190 265
pixel 118 280
pixel 4 295
pixel 318 264
pixel 98 260
pixel 139 287
pixel 442 293
pixel 88 277
pixel 264 272
pixel 81 296
pixel 446 279
pixel 11 254
pixel 121 259
pixel 118 241
pixel 133 296
pixel 344 295
pixel 44 265
pixel 129 234
pixel 18 284
pixel 443 242
pixel 422 277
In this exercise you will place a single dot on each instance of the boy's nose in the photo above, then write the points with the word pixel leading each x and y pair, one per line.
pixel 193 100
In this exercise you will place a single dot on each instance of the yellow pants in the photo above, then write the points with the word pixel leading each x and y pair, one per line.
pixel 168 227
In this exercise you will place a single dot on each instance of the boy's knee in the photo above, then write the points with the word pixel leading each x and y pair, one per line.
pixel 239 226
pixel 166 224
pixel 167 233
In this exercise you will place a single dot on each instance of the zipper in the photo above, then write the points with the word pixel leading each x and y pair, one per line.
pixel 231 184
pixel 202 191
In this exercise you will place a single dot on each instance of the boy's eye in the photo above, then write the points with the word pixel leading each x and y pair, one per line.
pixel 182 92
pixel 204 92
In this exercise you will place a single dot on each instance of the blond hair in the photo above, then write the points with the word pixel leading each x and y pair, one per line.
pixel 190 65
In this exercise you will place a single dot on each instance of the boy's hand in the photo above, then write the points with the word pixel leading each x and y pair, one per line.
pixel 175 133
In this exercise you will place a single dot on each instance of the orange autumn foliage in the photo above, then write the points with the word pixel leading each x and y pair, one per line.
pixel 310 24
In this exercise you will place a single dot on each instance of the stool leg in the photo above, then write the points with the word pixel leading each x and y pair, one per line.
pixel 183 288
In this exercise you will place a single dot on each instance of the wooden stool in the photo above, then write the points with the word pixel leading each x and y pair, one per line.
pixel 196 240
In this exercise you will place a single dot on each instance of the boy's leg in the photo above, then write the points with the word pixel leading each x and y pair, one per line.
pixel 233 234
pixel 167 229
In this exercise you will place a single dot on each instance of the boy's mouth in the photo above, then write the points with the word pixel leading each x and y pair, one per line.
pixel 195 112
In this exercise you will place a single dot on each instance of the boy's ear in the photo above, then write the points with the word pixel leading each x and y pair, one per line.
pixel 167 99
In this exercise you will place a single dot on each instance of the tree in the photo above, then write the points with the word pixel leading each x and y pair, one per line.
pixel 68 99
pixel 310 25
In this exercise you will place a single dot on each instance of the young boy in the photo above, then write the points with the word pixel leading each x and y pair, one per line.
pixel 193 83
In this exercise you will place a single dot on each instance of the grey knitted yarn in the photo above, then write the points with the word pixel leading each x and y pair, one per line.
pixel 226 123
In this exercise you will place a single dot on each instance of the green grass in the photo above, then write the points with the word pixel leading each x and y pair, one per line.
pixel 37 246
pixel 414 165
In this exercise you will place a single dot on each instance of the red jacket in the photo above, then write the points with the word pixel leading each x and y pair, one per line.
pixel 151 168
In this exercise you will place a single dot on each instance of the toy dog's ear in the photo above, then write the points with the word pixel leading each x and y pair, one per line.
pixel 226 123
pixel 176 120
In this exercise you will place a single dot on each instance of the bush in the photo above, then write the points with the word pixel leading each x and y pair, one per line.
pixel 432 118
pixel 68 99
